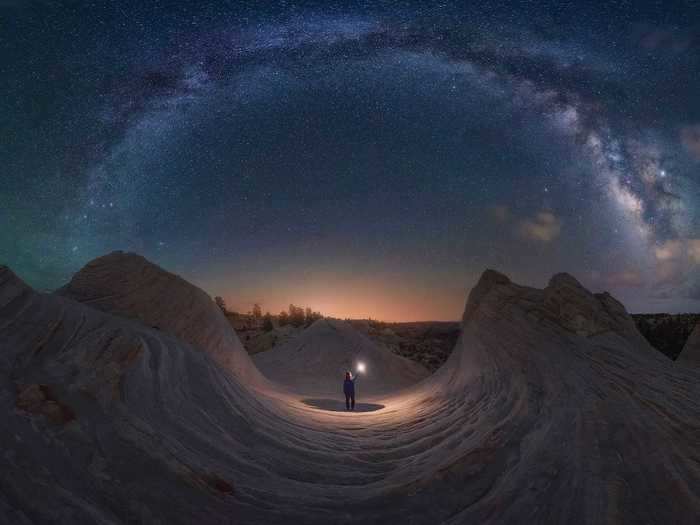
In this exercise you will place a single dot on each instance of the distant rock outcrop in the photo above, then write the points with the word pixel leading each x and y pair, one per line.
pixel 316 360
pixel 582 312
pixel 564 301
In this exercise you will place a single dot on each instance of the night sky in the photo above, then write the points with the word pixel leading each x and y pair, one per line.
pixel 364 159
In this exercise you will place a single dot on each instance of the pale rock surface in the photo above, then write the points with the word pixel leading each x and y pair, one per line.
pixel 551 409
pixel 130 286
pixel 315 362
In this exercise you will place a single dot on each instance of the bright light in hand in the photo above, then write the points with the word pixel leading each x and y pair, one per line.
pixel 360 367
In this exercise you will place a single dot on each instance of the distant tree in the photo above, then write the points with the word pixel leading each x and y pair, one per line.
pixel 312 317
pixel 267 322
pixel 283 318
pixel 296 315
pixel 220 303
pixel 257 311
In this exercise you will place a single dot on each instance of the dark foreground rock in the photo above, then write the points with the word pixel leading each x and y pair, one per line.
pixel 667 333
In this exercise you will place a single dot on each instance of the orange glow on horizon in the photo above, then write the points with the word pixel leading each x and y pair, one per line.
pixel 358 299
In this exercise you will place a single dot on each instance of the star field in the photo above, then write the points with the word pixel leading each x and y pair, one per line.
pixel 364 159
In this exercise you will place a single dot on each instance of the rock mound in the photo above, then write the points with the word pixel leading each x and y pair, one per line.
pixel 316 360
pixel 128 285
pixel 564 302
pixel 573 396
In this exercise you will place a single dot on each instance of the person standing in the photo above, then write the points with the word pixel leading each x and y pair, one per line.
pixel 349 391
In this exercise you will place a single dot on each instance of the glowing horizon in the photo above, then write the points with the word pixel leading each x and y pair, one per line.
pixel 387 305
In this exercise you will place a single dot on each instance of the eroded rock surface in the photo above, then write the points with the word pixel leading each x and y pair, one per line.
pixel 130 286
pixel 551 409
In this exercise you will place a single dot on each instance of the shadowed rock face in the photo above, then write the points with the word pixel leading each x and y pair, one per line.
pixel 551 409
pixel 691 351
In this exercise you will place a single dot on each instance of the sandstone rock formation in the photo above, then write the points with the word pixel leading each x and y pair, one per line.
pixel 316 361
pixel 128 285
pixel 551 409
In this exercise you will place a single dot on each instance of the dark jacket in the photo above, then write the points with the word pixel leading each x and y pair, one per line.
pixel 349 386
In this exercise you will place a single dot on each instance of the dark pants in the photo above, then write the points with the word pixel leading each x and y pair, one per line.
pixel 350 401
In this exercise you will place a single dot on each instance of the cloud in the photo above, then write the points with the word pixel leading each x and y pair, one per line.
pixel 694 250
pixel 624 279
pixel 690 137
pixel 668 251
pixel 500 213
pixel 544 227
pixel 671 272
pixel 686 250
pixel 677 261
pixel 665 39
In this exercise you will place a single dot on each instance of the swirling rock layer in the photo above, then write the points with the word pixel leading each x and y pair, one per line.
pixel 551 409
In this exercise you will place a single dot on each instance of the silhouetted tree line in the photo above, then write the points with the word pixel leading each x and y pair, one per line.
pixel 267 322
pixel 220 303
pixel 295 315
pixel 298 316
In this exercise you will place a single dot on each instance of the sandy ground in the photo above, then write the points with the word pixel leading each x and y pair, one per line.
pixel 551 409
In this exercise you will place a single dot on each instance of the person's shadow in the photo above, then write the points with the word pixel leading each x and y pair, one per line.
pixel 338 405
